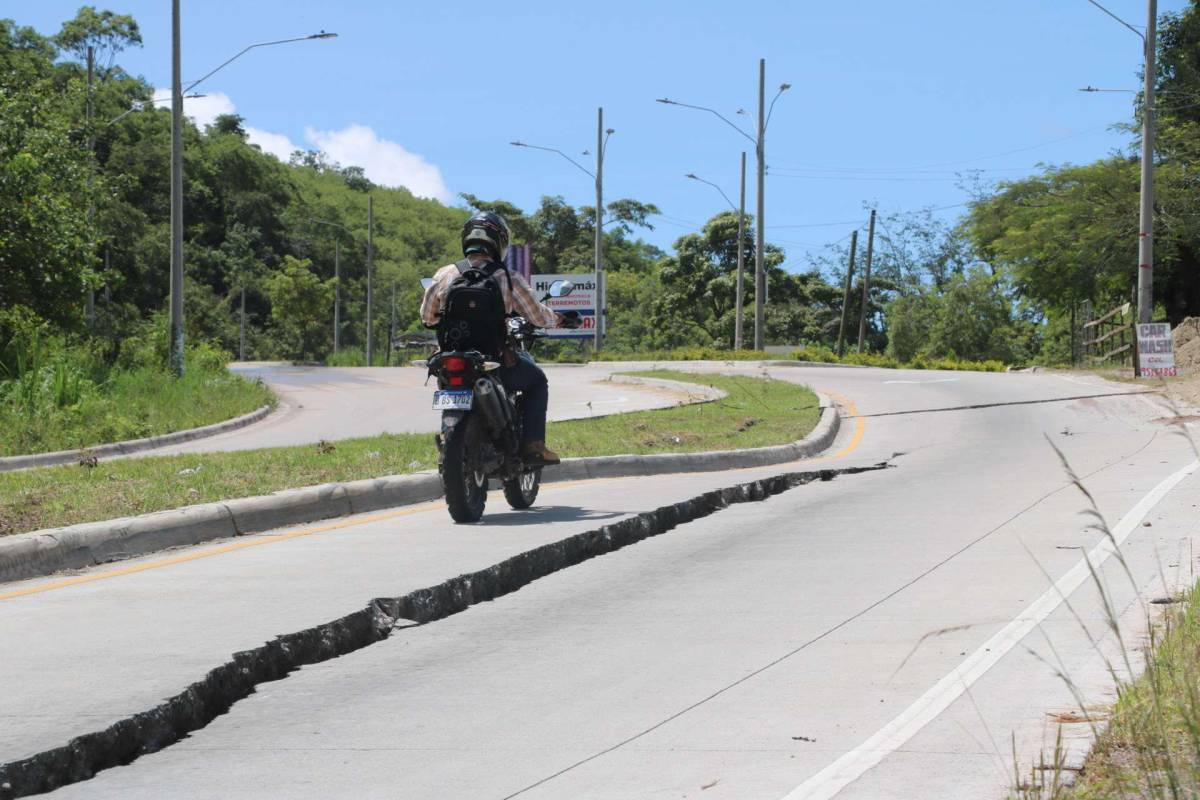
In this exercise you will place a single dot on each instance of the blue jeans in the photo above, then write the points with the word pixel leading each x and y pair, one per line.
pixel 527 377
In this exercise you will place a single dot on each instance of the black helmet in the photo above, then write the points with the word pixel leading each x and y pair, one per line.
pixel 487 233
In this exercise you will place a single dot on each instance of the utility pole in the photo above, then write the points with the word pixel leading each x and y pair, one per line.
pixel 862 317
pixel 337 294
pixel 600 307
pixel 760 275
pixel 242 326
pixel 741 259
pixel 370 269
pixel 90 308
pixel 176 332
pixel 392 324
pixel 841 344
pixel 1145 289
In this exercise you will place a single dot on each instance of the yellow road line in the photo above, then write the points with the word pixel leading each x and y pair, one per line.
pixel 860 427
pixel 259 540
pixel 216 551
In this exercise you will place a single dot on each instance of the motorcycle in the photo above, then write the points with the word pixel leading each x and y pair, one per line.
pixel 480 437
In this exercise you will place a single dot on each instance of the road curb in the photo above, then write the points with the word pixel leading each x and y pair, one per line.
pixel 37 553
pixel 10 463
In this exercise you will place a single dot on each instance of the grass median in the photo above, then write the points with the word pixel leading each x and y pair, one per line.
pixel 757 412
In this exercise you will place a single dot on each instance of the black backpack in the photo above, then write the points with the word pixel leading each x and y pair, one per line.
pixel 473 312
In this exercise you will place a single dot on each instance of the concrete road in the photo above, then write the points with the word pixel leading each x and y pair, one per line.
pixel 334 403
pixel 881 635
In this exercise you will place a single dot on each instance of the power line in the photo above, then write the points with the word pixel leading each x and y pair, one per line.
pixel 864 178
pixel 859 221
pixel 898 170
pixel 934 167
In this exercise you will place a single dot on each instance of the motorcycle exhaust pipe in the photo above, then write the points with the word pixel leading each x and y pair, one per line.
pixel 489 403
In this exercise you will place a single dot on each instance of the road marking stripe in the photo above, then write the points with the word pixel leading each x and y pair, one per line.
pixel 216 551
pixel 260 539
pixel 860 427
pixel 257 541
pixel 851 766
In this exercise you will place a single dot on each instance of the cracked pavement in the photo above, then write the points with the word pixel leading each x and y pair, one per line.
pixel 735 656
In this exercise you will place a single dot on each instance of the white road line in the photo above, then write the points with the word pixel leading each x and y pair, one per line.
pixel 851 766
pixel 938 380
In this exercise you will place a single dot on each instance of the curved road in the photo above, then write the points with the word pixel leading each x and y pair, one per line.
pixel 334 403
pixel 880 635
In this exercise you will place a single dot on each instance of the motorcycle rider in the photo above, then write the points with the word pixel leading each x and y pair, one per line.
pixel 484 244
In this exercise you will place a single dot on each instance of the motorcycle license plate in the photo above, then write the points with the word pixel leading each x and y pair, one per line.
pixel 459 400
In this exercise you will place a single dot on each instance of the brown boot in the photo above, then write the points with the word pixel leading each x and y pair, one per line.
pixel 538 453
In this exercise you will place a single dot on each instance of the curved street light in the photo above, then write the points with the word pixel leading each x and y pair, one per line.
pixel 1145 287
pixel 760 277
pixel 741 259
pixel 177 92
pixel 337 278
pixel 602 136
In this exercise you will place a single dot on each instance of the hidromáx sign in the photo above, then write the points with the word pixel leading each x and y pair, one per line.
pixel 1156 353
pixel 582 299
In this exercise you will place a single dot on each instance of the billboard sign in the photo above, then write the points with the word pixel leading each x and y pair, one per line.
pixel 519 259
pixel 1156 353
pixel 581 299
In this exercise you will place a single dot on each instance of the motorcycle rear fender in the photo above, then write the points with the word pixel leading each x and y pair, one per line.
pixel 452 418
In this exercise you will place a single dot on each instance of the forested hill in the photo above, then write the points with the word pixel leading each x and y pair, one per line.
pixel 84 214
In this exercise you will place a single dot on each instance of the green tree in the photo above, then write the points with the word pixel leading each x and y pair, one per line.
pixel 46 257
pixel 104 31
pixel 301 304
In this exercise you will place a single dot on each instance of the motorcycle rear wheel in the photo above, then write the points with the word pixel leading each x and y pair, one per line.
pixel 522 491
pixel 465 485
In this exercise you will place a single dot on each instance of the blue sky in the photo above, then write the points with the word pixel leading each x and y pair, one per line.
pixel 888 99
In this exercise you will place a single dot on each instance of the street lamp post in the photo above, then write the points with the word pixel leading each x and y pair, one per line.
pixel 176 305
pixel 602 135
pixel 370 271
pixel 177 90
pixel 759 141
pixel 337 280
pixel 1145 283
pixel 741 234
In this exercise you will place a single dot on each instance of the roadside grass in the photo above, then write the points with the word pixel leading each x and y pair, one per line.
pixel 757 412
pixel 816 353
pixel 128 405
pixel 1150 748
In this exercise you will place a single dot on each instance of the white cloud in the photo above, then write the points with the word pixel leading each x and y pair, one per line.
pixel 276 144
pixel 384 162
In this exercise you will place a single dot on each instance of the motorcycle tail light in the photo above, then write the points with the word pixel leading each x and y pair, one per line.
pixel 454 364
pixel 456 380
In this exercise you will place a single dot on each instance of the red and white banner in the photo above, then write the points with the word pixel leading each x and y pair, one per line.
pixel 1156 351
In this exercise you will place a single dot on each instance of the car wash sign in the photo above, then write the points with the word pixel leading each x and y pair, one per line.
pixel 582 299
pixel 1156 354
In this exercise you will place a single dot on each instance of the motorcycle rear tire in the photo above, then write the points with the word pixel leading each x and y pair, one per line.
pixel 522 491
pixel 466 488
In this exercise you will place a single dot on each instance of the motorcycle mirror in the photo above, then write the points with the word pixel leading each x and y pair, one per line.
pixel 426 283
pixel 560 288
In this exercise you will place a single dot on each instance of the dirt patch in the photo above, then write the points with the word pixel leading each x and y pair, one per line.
pixel 1184 392
pixel 1187 357
pixel 670 440
pixel 1188 330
